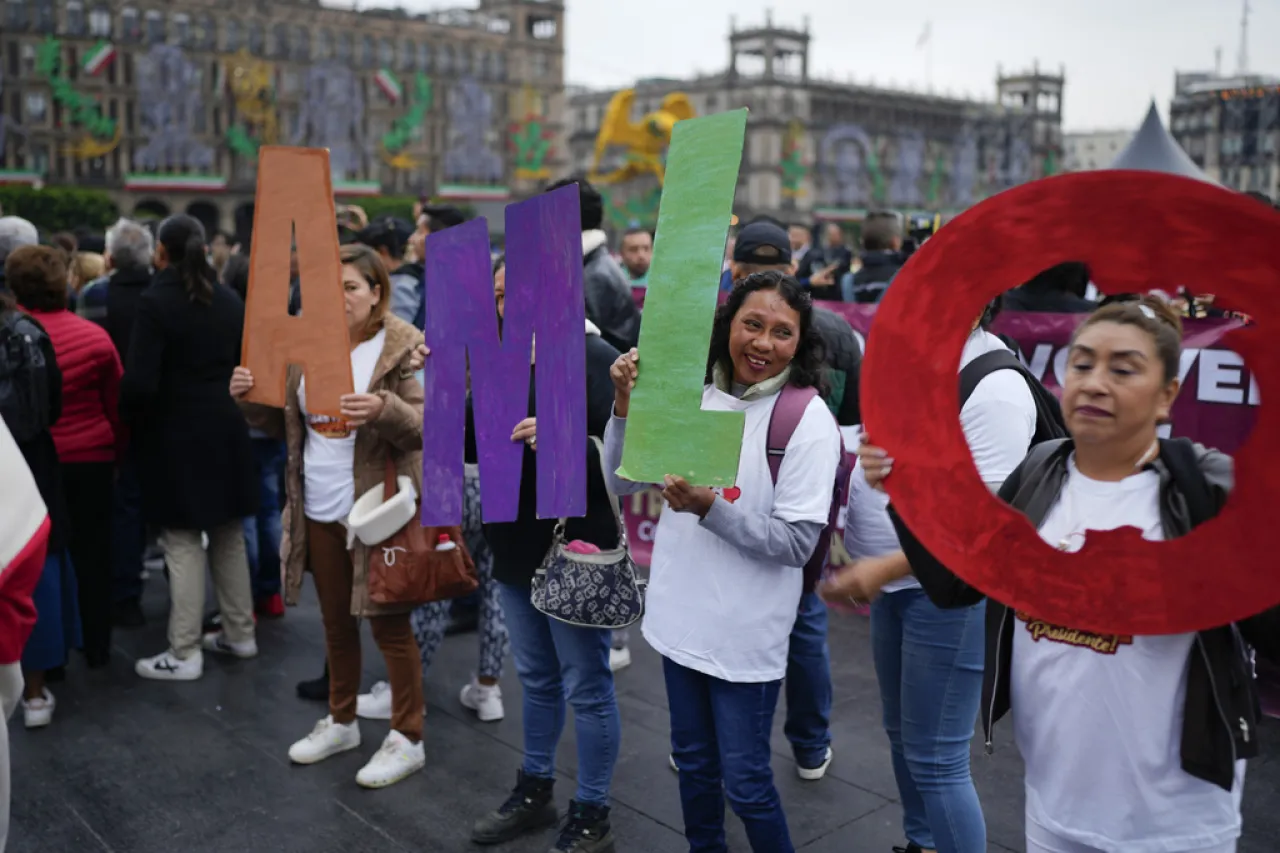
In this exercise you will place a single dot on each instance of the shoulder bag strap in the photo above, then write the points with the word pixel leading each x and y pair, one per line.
pixel 788 411
pixel 982 367
pixel 1179 456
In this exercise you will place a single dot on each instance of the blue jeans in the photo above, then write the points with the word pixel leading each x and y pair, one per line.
pixel 128 533
pixel 929 663
pixel 720 741
pixel 262 532
pixel 808 684
pixel 555 662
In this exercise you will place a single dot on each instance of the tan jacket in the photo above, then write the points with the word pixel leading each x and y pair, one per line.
pixel 397 430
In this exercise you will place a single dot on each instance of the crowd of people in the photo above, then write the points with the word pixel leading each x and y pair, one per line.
pixel 117 367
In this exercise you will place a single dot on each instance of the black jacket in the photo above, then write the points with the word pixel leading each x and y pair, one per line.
pixel 610 305
pixel 519 546
pixel 124 288
pixel 878 269
pixel 844 362
pixel 195 460
pixel 1220 721
pixel 1047 301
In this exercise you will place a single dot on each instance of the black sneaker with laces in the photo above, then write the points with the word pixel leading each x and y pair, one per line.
pixel 529 807
pixel 911 847
pixel 586 830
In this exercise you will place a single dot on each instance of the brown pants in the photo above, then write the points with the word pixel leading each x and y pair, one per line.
pixel 330 564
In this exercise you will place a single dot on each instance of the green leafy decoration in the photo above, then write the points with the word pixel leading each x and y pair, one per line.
pixel 84 109
pixel 793 169
pixel 241 142
pixel 935 180
pixel 877 176
pixel 1051 163
pixel 531 143
pixel 408 127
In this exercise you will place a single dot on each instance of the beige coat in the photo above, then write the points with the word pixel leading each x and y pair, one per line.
pixel 397 430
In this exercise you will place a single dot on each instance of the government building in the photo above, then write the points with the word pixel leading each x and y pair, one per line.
pixel 164 105
pixel 1230 127
pixel 831 150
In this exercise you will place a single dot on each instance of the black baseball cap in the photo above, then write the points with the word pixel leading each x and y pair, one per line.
pixel 446 215
pixel 764 243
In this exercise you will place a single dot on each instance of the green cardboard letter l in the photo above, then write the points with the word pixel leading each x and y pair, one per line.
pixel 667 430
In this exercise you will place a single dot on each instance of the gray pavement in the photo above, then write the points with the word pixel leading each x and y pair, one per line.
pixel 131 766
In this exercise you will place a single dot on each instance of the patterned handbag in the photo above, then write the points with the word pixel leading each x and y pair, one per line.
pixel 590 590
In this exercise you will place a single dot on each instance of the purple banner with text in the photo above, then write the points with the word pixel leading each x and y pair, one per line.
pixel 1217 405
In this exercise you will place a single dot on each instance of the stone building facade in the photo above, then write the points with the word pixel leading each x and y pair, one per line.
pixel 165 104
pixel 1230 127
pixel 833 150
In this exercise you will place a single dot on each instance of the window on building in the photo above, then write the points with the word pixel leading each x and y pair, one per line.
pixel 480 63
pixel 181 29
pixel 206 33
pixel 100 22
pixel 257 39
pixel 234 36
pixel 462 60
pixel 424 56
pixel 130 25
pixel 155 27
pixel 540 64
pixel 406 55
pixel 498 61
pixel 444 59
pixel 301 43
pixel 324 44
pixel 36 107
pixel 542 28
pixel 16 18
pixel 366 51
pixel 28 59
pixel 280 41
pixel 386 53
pixel 46 17
pixel 345 43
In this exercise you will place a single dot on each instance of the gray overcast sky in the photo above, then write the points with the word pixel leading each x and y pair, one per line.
pixel 1118 54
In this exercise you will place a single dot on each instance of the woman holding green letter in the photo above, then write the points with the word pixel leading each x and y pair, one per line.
pixel 727 563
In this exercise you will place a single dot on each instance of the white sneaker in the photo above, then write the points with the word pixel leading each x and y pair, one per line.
pixel 376 704
pixel 394 761
pixel 619 658
pixel 813 774
pixel 218 642
pixel 326 739
pixel 167 666
pixel 484 699
pixel 37 713
pixel 671 762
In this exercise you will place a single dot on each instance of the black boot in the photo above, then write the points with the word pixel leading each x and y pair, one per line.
pixel 586 830
pixel 911 847
pixel 529 807
pixel 317 689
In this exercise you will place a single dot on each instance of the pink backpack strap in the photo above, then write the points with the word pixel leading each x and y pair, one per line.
pixel 786 416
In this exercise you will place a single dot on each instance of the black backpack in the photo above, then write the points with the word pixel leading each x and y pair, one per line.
pixel 1049 422
pixel 24 376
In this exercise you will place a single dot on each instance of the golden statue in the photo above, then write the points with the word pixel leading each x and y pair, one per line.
pixel 252 88
pixel 644 141
pixel 86 147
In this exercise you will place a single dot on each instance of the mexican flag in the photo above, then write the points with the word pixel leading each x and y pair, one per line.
pixel 98 57
pixel 389 85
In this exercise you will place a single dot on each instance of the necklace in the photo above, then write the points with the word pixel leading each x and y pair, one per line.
pixel 1077 527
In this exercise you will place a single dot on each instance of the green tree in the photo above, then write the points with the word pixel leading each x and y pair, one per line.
pixel 59 208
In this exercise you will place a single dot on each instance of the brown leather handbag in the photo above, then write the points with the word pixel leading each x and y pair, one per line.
pixel 407 568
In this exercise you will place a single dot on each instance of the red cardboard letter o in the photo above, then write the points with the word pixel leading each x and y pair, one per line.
pixel 1137 231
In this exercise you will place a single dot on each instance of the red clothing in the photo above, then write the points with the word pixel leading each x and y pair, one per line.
pixel 24 536
pixel 89 429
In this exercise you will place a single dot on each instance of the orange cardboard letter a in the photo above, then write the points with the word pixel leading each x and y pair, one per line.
pixel 295 197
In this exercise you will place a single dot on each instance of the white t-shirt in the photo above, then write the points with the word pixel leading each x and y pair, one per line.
pixel 999 421
pixel 329 452
pixel 711 606
pixel 1098 719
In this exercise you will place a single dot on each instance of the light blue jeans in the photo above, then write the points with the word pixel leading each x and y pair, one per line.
pixel 929 663
pixel 558 662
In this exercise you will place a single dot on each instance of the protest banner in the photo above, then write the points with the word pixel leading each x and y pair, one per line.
pixel 693 223
pixel 294 202
pixel 1217 407
pixel 544 299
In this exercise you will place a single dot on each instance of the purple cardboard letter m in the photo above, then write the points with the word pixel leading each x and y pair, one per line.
pixel 543 298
